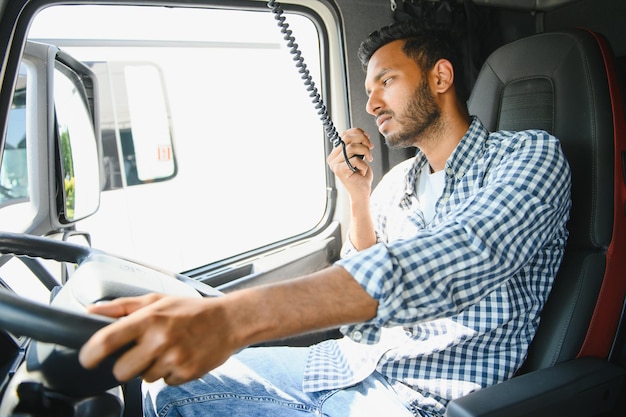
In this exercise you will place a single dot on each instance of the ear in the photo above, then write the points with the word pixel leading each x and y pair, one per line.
pixel 442 76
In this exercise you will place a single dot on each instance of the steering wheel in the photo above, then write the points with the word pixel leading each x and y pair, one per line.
pixel 59 330
pixel 37 321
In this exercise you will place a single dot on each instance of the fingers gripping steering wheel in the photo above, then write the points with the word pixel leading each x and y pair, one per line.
pixel 38 321
pixel 59 330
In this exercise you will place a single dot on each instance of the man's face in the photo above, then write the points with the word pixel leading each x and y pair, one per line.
pixel 400 97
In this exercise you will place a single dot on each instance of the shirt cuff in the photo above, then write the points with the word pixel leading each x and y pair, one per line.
pixel 373 270
pixel 368 334
pixel 348 249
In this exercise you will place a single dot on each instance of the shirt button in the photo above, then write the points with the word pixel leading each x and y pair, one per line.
pixel 357 336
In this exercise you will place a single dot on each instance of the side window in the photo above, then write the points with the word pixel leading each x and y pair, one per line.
pixel 211 144
pixel 13 171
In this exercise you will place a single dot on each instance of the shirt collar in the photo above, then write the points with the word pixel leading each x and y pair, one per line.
pixel 470 147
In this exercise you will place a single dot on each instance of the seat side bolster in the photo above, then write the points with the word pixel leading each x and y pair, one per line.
pixel 574 388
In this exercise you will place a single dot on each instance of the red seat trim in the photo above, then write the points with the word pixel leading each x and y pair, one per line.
pixel 606 315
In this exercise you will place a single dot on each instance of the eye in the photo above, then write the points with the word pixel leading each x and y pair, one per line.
pixel 386 81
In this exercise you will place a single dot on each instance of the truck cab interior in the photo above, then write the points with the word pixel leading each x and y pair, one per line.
pixel 556 65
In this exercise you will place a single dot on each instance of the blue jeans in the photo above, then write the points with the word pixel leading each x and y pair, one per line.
pixel 268 382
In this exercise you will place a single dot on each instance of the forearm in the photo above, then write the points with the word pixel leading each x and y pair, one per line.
pixel 164 332
pixel 362 231
pixel 325 299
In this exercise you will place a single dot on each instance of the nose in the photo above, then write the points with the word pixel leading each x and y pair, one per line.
pixel 374 104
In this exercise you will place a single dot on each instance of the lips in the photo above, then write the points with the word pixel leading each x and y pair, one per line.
pixel 381 120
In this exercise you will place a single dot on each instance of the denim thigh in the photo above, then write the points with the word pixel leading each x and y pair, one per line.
pixel 268 382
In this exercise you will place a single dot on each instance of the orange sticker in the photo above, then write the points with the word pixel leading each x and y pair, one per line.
pixel 165 153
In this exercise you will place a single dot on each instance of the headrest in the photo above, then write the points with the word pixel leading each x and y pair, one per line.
pixel 557 82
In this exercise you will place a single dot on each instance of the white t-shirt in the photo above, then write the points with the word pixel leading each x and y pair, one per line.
pixel 429 188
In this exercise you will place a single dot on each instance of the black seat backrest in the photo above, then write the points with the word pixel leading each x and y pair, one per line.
pixel 558 82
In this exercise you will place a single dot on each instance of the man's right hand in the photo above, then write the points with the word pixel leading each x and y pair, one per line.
pixel 180 339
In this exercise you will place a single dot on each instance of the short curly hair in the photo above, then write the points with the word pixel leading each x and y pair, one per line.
pixel 424 46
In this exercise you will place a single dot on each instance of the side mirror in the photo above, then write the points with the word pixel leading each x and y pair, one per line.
pixel 62 92
pixel 77 138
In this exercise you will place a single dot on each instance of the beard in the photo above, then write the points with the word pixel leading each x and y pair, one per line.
pixel 420 119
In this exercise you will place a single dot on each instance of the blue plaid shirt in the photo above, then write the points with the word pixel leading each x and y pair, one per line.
pixel 458 297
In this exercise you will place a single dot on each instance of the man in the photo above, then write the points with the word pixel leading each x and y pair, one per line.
pixel 447 265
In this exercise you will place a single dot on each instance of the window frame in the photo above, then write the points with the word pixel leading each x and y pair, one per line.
pixel 336 104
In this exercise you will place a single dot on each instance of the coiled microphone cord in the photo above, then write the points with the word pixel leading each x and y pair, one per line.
pixel 316 98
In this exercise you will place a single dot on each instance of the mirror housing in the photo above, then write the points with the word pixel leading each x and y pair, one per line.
pixel 67 89
pixel 78 140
